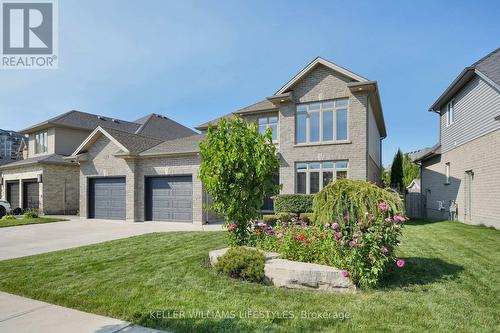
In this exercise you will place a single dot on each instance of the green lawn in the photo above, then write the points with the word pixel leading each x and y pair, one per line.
pixel 23 221
pixel 450 284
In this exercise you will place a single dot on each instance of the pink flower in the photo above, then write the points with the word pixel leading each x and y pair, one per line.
pixel 345 273
pixel 388 220
pixel 326 225
pixel 335 226
pixel 342 242
pixel 231 226
pixel 399 218
pixel 279 235
pixel 371 218
pixel 382 206
pixel 384 250
pixel 400 263
pixel 338 235
pixel 353 244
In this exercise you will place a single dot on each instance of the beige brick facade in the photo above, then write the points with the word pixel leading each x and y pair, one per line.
pixel 101 162
pixel 481 157
pixel 58 191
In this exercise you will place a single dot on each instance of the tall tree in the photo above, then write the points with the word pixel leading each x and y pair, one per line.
pixel 410 170
pixel 397 171
pixel 237 169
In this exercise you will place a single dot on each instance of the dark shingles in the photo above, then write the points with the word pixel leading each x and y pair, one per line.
pixel 188 144
pixel 41 159
pixel 490 66
pixel 134 143
pixel 161 127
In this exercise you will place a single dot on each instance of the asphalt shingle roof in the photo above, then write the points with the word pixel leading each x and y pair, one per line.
pixel 133 142
pixel 490 66
pixel 47 159
pixel 188 144
pixel 161 127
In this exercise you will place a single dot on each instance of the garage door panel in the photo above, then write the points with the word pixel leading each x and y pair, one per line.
pixel 31 195
pixel 13 194
pixel 169 198
pixel 107 198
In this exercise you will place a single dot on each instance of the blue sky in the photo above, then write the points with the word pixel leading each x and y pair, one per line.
pixel 196 60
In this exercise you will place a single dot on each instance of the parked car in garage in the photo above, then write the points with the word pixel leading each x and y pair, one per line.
pixel 4 208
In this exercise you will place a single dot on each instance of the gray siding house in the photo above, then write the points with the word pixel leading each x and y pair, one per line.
pixel 464 167
pixel 327 123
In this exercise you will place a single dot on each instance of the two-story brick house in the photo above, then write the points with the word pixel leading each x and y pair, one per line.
pixel 327 123
pixel 45 180
pixel 463 169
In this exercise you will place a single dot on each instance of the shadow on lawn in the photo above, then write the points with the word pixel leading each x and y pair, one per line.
pixel 421 271
pixel 422 222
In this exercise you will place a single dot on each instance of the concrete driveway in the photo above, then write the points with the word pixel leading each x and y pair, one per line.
pixel 32 239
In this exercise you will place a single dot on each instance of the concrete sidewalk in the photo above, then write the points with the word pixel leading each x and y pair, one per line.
pixel 24 315
pixel 26 240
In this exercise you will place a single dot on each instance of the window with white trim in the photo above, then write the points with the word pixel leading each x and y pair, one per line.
pixel 269 122
pixel 311 177
pixel 322 122
pixel 450 113
pixel 41 142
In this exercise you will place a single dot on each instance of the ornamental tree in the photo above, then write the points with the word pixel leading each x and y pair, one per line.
pixel 237 168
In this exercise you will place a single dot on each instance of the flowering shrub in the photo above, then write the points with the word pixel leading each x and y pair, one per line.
pixel 363 249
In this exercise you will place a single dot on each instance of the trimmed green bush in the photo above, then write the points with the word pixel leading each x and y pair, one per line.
pixel 30 214
pixel 347 199
pixel 293 203
pixel 242 263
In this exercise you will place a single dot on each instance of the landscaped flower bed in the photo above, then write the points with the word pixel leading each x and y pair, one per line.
pixel 363 248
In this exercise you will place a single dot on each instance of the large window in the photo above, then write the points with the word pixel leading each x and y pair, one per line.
pixel 322 122
pixel 41 143
pixel 269 122
pixel 311 177
pixel 450 113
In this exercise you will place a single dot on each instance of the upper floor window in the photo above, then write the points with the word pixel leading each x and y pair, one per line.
pixel 322 122
pixel 450 113
pixel 313 176
pixel 269 122
pixel 41 144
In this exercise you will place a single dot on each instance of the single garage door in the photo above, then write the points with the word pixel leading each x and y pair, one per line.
pixel 13 194
pixel 169 198
pixel 30 195
pixel 107 198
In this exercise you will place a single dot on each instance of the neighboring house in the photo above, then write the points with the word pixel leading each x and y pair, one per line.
pixel 45 179
pixel 9 144
pixel 464 167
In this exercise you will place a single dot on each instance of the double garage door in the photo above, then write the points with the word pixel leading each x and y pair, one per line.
pixel 30 194
pixel 166 198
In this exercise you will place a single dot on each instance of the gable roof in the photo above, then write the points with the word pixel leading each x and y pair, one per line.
pixel 488 68
pixel 187 145
pixel 130 144
pixel 154 125
pixel 85 121
pixel 40 159
pixel 312 65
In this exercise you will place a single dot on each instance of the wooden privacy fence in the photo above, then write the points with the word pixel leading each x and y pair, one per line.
pixel 413 204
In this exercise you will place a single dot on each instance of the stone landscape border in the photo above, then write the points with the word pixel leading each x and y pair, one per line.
pixel 290 274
